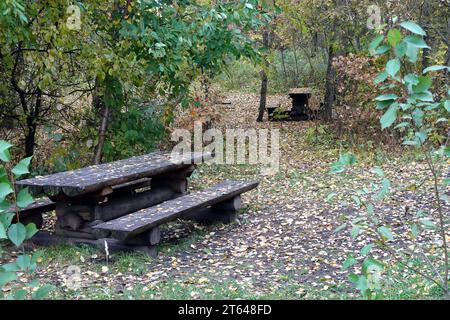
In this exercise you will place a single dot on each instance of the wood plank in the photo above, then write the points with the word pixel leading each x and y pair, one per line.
pixel 142 220
pixel 94 178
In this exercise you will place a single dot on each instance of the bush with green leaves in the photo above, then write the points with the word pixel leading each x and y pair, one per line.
pixel 410 107
pixel 13 232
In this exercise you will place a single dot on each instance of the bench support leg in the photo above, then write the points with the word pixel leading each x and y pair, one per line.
pixel 44 238
pixel 150 237
pixel 224 212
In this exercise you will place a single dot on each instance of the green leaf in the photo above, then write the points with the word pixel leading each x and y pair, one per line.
pixel 402 125
pixel 31 230
pixel 6 277
pixel 389 116
pixel 380 78
pixel 421 136
pixel 340 228
pixel 385 232
pixel 386 184
pixel 22 167
pixel 3 232
pixel 394 37
pixel 347 159
pixel 426 96
pixel 411 79
pixel 447 105
pixel 428 223
pixel 386 97
pixel 4 151
pixel 424 83
pixel 42 292
pixel 23 261
pixel 366 249
pixel 17 233
pixel 10 267
pixel 378 171
pixel 393 67
pixel 350 261
pixel 6 218
pixel 20 294
pixel 369 261
pixel 331 196
pixel 417 116
pixel 24 198
pixel 413 27
pixel 383 49
pixel 401 49
pixel 355 231
pixel 412 53
pixel 375 43
pixel 414 231
pixel 435 68
pixel 5 190
pixel 383 104
pixel 370 209
pixel 360 282
pixel 416 41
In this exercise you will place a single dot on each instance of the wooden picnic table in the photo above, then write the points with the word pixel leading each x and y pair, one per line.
pixel 96 178
pixel 125 201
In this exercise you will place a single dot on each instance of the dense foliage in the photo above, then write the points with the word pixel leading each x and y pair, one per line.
pixel 421 116
pixel 78 70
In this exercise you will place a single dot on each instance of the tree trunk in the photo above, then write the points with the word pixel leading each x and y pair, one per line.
pixel 264 80
pixel 447 55
pixel 263 97
pixel 283 64
pixel 424 23
pixel 30 134
pixel 297 71
pixel 101 136
pixel 329 87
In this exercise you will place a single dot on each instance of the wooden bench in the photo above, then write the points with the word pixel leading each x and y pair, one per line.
pixel 219 203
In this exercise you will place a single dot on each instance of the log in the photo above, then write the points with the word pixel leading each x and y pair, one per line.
pixel 176 185
pixel 224 212
pixel 70 220
pixel 130 187
pixel 86 212
pixel 118 207
pixel 52 191
pixel 35 191
pixel 83 234
pixel 44 238
pixel 210 216
pixel 229 205
pixel 150 237
pixel 177 174
pixel 94 178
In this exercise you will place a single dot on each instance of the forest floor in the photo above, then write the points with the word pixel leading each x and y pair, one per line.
pixel 282 246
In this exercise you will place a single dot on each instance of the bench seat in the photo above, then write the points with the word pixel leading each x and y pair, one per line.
pixel 140 221
pixel 33 212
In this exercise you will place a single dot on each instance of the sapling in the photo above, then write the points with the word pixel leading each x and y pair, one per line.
pixel 415 111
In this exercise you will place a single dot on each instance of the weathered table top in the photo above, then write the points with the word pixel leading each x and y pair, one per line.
pixel 95 178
